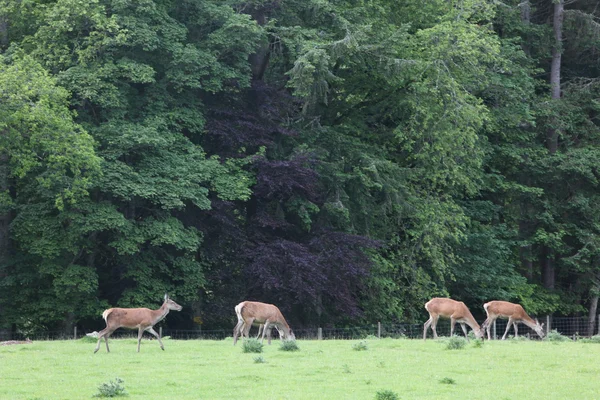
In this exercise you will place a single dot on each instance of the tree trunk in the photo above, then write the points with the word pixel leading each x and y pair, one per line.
pixel 526 20
pixel 592 313
pixel 559 11
pixel 548 273
pixel 5 219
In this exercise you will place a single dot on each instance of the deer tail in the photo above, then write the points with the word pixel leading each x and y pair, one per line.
pixel 106 313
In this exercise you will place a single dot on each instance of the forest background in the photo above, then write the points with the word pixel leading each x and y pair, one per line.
pixel 346 160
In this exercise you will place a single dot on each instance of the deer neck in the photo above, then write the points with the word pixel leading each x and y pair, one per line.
pixel 161 313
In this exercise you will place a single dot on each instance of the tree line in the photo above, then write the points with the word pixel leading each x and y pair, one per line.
pixel 346 160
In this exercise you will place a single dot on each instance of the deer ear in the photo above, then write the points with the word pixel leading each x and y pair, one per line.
pixel 166 297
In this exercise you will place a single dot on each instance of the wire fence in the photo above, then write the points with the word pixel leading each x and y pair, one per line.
pixel 573 327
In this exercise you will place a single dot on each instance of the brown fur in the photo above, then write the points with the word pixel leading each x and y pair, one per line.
pixel 143 319
pixel 515 314
pixel 249 312
pixel 457 311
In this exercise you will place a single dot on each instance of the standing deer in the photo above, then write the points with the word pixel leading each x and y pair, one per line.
pixel 515 314
pixel 457 311
pixel 141 318
pixel 249 312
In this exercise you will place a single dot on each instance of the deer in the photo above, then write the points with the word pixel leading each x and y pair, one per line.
pixel 143 319
pixel 249 312
pixel 515 314
pixel 457 311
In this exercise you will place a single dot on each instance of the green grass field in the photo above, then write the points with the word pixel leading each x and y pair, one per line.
pixel 330 369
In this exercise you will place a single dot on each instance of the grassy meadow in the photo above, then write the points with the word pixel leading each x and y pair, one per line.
pixel 330 369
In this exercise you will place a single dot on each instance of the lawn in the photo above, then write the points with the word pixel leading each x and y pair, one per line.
pixel 330 369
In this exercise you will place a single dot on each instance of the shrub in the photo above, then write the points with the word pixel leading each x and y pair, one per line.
pixel 252 346
pixel 555 336
pixel 289 345
pixel 386 395
pixel 593 339
pixel 362 345
pixel 372 337
pixel 478 343
pixel 456 343
pixel 111 389
pixel 448 381
pixel 259 360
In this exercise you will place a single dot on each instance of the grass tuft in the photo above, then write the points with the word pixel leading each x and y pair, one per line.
pixel 112 389
pixel 448 381
pixel 593 339
pixel 259 360
pixel 289 345
pixel 555 336
pixel 386 395
pixel 360 346
pixel 456 343
pixel 252 346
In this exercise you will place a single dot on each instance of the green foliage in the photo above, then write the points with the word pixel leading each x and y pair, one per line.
pixel 112 389
pixel 447 381
pixel 259 360
pixel 252 346
pixel 386 395
pixel 360 346
pixel 593 339
pixel 289 345
pixel 456 343
pixel 555 337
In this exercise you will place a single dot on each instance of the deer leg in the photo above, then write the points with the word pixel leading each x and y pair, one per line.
pixel 426 326
pixel 104 333
pixel 246 327
pixel 434 326
pixel 515 323
pixel 488 326
pixel 260 329
pixel 152 331
pixel 507 328
pixel 265 328
pixel 239 327
pixel 140 333
pixel 452 323
pixel 464 328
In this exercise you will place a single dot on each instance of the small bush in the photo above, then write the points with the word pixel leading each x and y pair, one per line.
pixel 555 336
pixel 259 360
pixel 360 346
pixel 478 343
pixel 372 337
pixel 456 343
pixel 111 389
pixel 289 345
pixel 386 395
pixel 593 339
pixel 252 346
pixel 448 381
pixel 88 339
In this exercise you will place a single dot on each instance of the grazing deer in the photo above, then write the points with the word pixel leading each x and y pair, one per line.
pixel 515 314
pixel 457 311
pixel 141 318
pixel 249 312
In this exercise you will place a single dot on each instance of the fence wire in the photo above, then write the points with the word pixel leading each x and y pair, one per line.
pixel 573 327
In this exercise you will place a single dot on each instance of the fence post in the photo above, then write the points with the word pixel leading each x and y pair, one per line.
pixel 548 327
pixel 598 319
pixel 379 330
pixel 320 334
pixel 160 332
pixel 494 337
pixel 75 333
